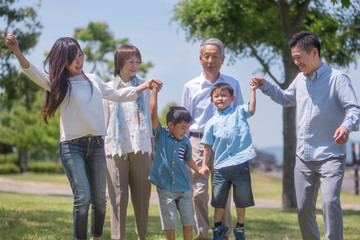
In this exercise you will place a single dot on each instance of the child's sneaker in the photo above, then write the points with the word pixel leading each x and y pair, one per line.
pixel 219 232
pixel 239 233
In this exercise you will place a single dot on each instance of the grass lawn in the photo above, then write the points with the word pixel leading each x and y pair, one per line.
pixel 39 177
pixel 49 217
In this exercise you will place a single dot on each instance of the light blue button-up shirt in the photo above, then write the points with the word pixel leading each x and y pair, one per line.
pixel 229 134
pixel 169 170
pixel 196 99
pixel 324 102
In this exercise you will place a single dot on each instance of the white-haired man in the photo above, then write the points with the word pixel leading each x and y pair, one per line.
pixel 196 99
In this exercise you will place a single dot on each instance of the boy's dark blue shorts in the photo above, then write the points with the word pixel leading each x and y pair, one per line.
pixel 239 177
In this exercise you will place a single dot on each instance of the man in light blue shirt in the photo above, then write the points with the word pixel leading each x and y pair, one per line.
pixel 327 111
pixel 227 134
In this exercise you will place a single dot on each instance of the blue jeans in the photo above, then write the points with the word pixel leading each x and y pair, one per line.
pixel 239 177
pixel 85 167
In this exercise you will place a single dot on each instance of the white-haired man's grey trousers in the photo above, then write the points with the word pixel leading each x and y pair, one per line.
pixel 309 177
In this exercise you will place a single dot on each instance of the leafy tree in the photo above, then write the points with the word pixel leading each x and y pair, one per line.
pixel 22 128
pixel 100 47
pixel 23 22
pixel 162 117
pixel 262 29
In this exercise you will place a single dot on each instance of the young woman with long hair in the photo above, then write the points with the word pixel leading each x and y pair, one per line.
pixel 82 124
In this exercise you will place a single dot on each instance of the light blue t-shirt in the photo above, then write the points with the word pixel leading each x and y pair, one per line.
pixel 169 170
pixel 229 134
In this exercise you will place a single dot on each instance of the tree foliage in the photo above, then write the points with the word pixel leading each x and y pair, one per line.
pixel 262 29
pixel 344 3
pixel 24 23
pixel 162 117
pixel 25 130
pixel 100 46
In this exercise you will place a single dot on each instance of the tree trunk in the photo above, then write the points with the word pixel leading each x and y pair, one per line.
pixel 289 133
pixel 289 120
pixel 23 160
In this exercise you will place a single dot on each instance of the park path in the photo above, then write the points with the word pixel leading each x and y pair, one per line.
pixel 27 187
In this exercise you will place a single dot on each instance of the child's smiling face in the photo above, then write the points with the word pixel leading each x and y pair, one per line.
pixel 221 99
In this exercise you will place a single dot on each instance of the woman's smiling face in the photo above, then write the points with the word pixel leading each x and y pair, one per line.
pixel 76 67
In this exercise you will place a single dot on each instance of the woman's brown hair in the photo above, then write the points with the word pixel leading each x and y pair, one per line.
pixel 123 53
pixel 62 54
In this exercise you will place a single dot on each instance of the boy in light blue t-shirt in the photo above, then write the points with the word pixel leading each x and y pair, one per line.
pixel 169 171
pixel 227 133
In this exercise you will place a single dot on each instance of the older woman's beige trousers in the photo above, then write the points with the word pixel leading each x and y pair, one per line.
pixel 122 173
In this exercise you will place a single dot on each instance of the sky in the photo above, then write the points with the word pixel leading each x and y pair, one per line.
pixel 147 24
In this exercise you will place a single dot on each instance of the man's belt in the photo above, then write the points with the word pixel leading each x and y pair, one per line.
pixel 196 134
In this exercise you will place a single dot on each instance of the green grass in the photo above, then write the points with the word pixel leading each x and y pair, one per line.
pixel 58 178
pixel 47 217
pixel 270 188
pixel 266 187
pixel 27 217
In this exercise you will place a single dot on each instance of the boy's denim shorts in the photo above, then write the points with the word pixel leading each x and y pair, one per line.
pixel 239 177
pixel 170 203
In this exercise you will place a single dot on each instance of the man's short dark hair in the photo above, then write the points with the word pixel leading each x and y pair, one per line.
pixel 222 86
pixel 306 41
pixel 178 114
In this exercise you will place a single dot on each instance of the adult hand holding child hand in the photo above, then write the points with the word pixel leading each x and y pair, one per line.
pixel 204 171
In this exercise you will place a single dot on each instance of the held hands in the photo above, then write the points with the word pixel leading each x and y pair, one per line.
pixel 154 84
pixel 254 85
pixel 341 135
pixel 203 171
pixel 257 81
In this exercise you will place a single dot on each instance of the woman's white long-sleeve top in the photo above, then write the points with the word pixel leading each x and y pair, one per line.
pixel 81 112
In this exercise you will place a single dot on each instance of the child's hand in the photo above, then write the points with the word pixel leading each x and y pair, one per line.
pixel 204 171
pixel 158 86
pixel 259 81
pixel 254 85
pixel 154 83
pixel 11 42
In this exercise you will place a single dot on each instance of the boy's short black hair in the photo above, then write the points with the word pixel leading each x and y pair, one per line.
pixel 306 41
pixel 178 114
pixel 222 86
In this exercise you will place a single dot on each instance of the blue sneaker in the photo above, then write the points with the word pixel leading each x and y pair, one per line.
pixel 239 233
pixel 219 232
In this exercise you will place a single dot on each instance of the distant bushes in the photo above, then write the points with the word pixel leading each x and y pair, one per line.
pixel 9 158
pixel 9 164
pixel 48 167
pixel 6 168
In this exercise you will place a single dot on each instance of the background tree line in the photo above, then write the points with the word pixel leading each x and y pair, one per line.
pixel 21 100
pixel 259 29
